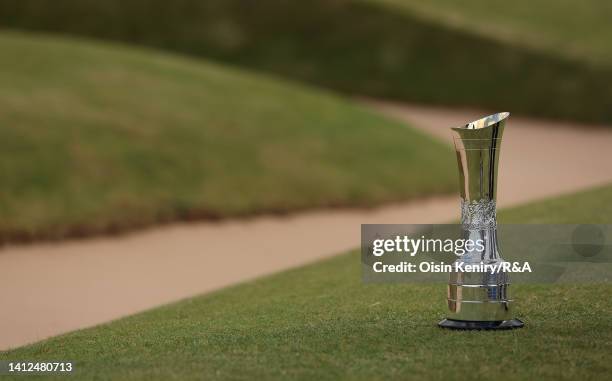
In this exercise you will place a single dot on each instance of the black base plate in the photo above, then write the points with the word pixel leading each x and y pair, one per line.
pixel 487 325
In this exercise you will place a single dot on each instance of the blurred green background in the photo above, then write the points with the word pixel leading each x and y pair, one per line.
pixel 100 138
pixel 104 127
pixel 546 59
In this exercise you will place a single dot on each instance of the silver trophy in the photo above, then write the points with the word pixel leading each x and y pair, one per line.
pixel 478 299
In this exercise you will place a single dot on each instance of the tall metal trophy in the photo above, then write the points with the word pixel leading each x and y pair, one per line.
pixel 479 300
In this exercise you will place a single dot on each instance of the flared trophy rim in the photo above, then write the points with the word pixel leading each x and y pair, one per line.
pixel 487 121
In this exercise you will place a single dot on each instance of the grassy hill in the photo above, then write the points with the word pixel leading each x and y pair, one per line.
pixel 375 48
pixel 101 138
pixel 321 322
pixel 580 30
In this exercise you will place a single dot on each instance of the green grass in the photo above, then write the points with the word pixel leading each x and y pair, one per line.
pixel 593 206
pixel 321 322
pixel 371 48
pixel 580 30
pixel 101 138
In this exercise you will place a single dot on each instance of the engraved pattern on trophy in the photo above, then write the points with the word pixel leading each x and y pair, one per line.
pixel 479 214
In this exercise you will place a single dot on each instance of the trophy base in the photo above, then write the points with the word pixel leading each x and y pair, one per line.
pixel 483 325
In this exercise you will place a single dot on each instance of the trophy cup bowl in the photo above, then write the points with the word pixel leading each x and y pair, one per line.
pixel 479 300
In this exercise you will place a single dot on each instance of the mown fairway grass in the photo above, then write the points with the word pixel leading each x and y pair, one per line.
pixel 98 138
pixel 320 322
pixel 513 58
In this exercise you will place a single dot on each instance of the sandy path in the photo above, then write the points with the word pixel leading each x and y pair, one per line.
pixel 538 158
pixel 48 289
